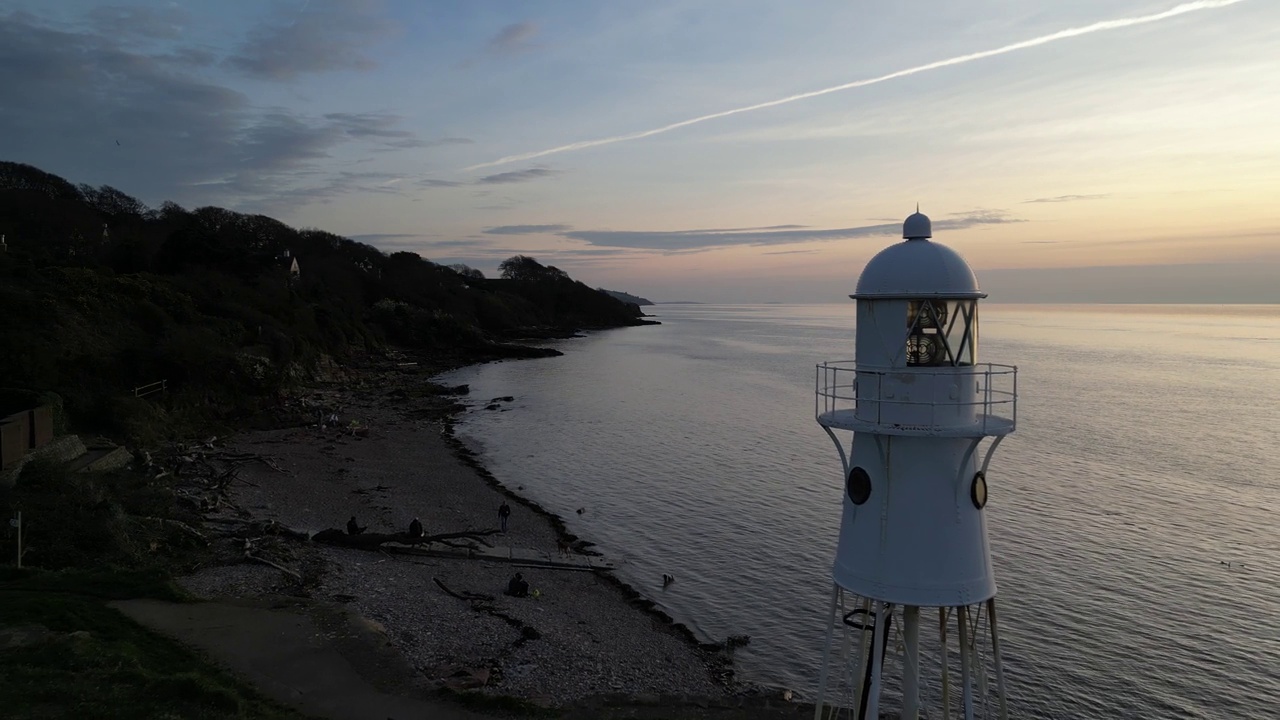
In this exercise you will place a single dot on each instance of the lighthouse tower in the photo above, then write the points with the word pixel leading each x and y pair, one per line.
pixel 913 602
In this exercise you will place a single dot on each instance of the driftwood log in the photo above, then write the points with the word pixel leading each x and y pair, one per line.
pixel 182 527
pixel 251 555
pixel 375 541
pixel 464 595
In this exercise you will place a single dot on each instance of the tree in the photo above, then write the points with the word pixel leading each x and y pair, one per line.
pixel 520 267
pixel 525 268
pixel 170 210
pixel 467 271
pixel 18 176
pixel 111 201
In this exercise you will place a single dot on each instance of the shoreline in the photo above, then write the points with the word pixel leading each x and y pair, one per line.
pixel 633 596
pixel 589 640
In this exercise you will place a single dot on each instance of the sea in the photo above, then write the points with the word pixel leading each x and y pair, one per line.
pixel 1134 516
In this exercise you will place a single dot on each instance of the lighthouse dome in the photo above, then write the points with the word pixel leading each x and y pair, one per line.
pixel 917 268
pixel 917 227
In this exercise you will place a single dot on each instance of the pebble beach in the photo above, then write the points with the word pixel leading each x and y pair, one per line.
pixel 583 636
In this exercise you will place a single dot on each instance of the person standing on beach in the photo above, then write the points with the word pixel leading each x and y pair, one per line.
pixel 518 586
pixel 504 512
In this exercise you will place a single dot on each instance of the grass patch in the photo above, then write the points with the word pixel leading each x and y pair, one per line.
pixel 97 663
pixel 106 584
pixel 97 520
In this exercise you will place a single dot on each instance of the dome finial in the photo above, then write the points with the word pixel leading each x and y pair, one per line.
pixel 917 226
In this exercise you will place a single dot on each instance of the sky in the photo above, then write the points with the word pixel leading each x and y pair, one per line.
pixel 695 150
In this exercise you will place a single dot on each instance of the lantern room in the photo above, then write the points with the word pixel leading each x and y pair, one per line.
pixel 917 368
pixel 917 304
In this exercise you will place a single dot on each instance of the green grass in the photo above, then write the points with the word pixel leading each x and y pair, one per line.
pixel 116 668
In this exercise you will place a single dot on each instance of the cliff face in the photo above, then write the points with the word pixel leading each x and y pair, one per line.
pixel 100 294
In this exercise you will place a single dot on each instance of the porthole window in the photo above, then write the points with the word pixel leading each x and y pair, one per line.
pixel 858 486
pixel 978 492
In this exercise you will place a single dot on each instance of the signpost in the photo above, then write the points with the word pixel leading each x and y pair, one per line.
pixel 16 522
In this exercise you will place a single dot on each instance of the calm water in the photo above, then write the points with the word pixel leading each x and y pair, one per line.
pixel 1146 456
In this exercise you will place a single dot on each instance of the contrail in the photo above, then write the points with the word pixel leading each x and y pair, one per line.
pixel 1182 9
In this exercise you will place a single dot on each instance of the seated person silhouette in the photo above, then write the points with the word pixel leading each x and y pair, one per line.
pixel 415 528
pixel 518 587
pixel 353 528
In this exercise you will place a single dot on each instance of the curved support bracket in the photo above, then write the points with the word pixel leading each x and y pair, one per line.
pixel 884 457
pixel 990 451
pixel 844 458
pixel 962 478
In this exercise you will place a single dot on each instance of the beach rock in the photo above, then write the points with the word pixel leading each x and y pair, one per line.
pixel 467 679
pixel 24 636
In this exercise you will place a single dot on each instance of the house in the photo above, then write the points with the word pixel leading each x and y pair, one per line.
pixel 290 263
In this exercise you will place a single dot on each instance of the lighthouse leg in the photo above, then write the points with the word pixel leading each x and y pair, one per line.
pixel 871 708
pixel 864 660
pixel 995 656
pixel 911 662
pixel 963 613
pixel 826 654
pixel 946 661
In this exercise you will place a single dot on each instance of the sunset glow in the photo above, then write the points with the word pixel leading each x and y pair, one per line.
pixel 727 151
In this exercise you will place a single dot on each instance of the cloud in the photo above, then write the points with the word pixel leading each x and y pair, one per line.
pixel 1100 26
pixel 704 239
pixel 516 176
pixel 376 127
pixel 477 254
pixel 450 141
pixel 180 137
pixel 525 229
pixel 190 57
pixel 514 37
pixel 1067 198
pixel 510 40
pixel 323 36
pixel 376 237
pixel 675 240
pixel 433 182
pixel 460 244
pixel 162 23
pixel 506 178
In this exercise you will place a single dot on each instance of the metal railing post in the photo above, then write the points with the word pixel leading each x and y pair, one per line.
pixel 986 402
pixel 817 388
pixel 1015 395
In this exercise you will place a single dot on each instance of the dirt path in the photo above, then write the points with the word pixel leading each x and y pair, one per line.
pixel 299 658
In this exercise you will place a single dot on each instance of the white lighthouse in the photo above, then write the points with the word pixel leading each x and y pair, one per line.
pixel 913 602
